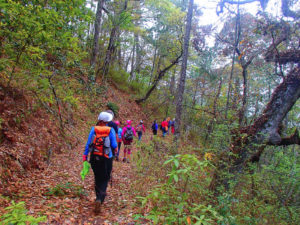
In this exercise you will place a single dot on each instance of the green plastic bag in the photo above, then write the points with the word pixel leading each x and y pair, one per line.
pixel 85 170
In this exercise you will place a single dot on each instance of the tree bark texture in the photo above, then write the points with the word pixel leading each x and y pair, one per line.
pixel 95 51
pixel 112 44
pixel 265 129
pixel 137 40
pixel 109 52
pixel 183 69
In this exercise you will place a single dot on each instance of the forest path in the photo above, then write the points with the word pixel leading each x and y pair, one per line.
pixel 58 191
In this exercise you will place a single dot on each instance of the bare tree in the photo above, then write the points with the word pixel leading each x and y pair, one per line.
pixel 183 68
pixel 95 50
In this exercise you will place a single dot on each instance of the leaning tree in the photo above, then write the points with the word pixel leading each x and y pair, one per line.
pixel 248 143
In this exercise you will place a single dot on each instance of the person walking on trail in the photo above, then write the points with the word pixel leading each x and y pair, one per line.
pixel 101 144
pixel 173 126
pixel 154 127
pixel 164 126
pixel 169 125
pixel 119 139
pixel 127 137
pixel 111 123
pixel 140 129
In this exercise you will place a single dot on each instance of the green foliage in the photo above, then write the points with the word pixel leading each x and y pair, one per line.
pixel 185 172
pixel 17 214
pixel 113 107
pixel 1 121
pixel 41 42
pixel 65 189
pixel 121 79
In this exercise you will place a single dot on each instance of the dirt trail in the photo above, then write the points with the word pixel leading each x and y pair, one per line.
pixel 76 206
pixel 56 190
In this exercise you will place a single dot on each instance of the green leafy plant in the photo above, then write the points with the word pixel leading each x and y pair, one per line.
pixel 17 214
pixel 114 107
pixel 176 194
pixel 67 188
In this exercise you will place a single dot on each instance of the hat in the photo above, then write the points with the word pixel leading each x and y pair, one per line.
pixel 128 122
pixel 105 117
pixel 141 121
pixel 110 111
pixel 117 122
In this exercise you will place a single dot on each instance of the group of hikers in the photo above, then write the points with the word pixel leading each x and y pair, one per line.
pixel 166 125
pixel 104 144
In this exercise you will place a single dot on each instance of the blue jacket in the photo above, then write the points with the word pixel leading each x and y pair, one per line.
pixel 120 132
pixel 155 126
pixel 112 138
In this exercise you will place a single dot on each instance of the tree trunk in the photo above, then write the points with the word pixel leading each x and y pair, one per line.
pixel 112 45
pixel 132 74
pixel 242 111
pixel 97 31
pixel 109 51
pixel 172 83
pixel 183 69
pixel 137 40
pixel 153 64
pixel 195 93
pixel 128 60
pixel 211 123
pixel 265 130
pixel 236 42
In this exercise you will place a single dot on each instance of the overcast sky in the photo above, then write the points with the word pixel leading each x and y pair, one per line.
pixel 209 10
pixel 210 17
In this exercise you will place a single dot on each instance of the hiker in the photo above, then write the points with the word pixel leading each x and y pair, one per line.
pixel 111 123
pixel 164 127
pixel 101 144
pixel 119 139
pixel 140 129
pixel 154 127
pixel 169 125
pixel 127 137
pixel 173 126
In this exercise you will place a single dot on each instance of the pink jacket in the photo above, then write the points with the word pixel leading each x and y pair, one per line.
pixel 124 130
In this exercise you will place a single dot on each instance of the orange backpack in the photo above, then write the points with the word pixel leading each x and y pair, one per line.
pixel 101 143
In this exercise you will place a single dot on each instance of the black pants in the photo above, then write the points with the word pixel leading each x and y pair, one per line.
pixel 140 134
pixel 102 170
pixel 154 132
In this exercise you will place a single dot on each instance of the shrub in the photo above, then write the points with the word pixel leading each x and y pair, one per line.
pixel 113 107
pixel 17 214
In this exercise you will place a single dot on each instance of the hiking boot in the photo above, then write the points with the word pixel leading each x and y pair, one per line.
pixel 117 158
pixel 124 159
pixel 97 206
pixel 128 161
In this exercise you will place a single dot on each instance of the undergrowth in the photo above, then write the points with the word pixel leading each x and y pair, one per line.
pixel 173 186
pixel 17 214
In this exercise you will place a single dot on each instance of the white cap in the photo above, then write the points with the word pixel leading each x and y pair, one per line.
pixel 105 117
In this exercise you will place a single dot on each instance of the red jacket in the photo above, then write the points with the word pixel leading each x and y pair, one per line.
pixel 164 123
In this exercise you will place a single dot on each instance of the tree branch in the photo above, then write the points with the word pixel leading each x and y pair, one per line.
pixel 159 77
pixel 294 139
pixel 222 4
pixel 283 57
